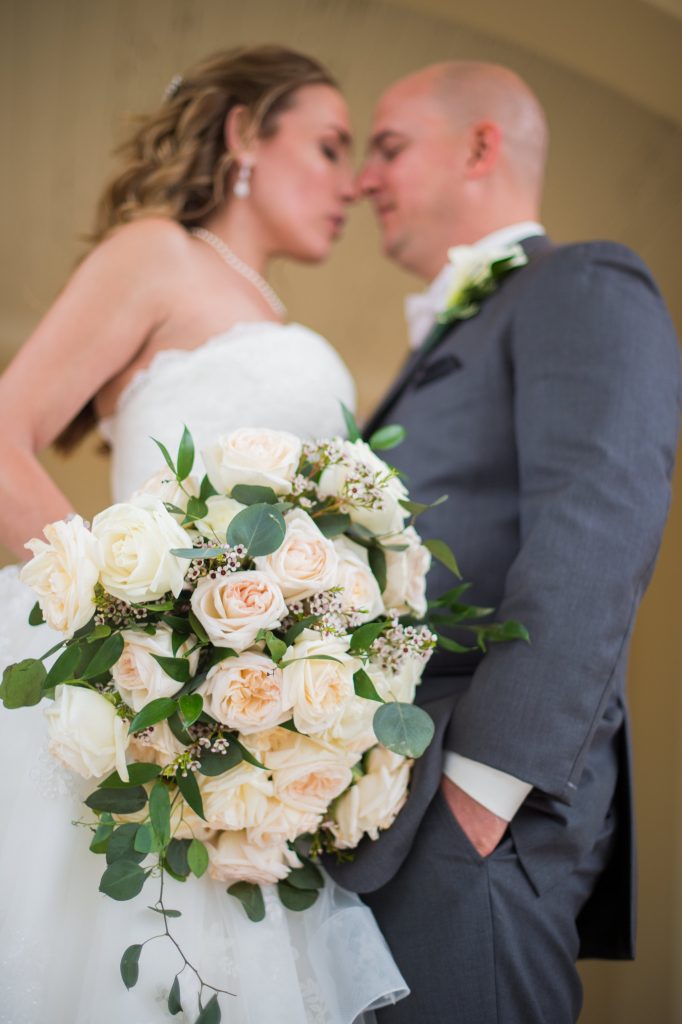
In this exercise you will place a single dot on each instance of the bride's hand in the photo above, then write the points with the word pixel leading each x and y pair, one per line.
pixel 483 829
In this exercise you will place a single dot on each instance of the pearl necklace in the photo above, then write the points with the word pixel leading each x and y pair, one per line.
pixel 251 275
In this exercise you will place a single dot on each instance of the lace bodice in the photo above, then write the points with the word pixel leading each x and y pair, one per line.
pixel 285 377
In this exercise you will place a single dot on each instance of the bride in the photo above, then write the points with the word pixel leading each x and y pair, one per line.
pixel 169 320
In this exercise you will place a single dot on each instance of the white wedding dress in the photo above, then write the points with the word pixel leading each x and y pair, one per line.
pixel 60 939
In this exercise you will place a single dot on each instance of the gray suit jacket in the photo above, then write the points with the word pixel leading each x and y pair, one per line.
pixel 550 419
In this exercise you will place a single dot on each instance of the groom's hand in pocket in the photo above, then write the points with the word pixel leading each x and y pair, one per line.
pixel 483 829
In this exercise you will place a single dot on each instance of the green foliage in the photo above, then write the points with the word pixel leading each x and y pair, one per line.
pixel 121 844
pixel 174 1004
pixel 105 656
pixel 35 616
pixel 294 898
pixel 176 858
pixel 126 800
pixel 252 494
pixel 377 563
pixel 22 684
pixel 211 1012
pixel 130 965
pixel 306 877
pixel 164 451
pixel 138 774
pixel 440 550
pixel 190 706
pixel 364 636
pixel 64 667
pixel 159 813
pixel 176 668
pixel 364 687
pixel 260 528
pixel 276 647
pixel 403 728
pixel 387 437
pixel 100 839
pixel 333 524
pixel 213 764
pixel 352 428
pixel 185 455
pixel 156 711
pixel 251 898
pixel 122 880
pixel 197 858
pixel 187 785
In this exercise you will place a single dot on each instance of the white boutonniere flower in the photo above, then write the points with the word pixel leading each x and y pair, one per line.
pixel 476 277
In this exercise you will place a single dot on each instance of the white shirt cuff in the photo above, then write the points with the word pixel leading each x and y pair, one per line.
pixel 499 792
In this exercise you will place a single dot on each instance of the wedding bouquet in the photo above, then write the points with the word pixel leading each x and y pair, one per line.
pixel 239 663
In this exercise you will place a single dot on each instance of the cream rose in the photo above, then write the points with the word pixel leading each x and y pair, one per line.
pixel 164 486
pixel 282 822
pixel 246 693
pixel 361 593
pixel 86 734
pixel 253 455
pixel 221 512
pixel 238 798
pixel 401 684
pixel 233 608
pixel 406 575
pixel 305 563
pixel 354 729
pixel 136 541
pixel 63 573
pixel 319 689
pixel 359 461
pixel 159 745
pixel 374 801
pixel 308 775
pixel 137 676
pixel 235 858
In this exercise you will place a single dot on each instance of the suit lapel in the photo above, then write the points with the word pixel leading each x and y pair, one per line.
pixel 532 246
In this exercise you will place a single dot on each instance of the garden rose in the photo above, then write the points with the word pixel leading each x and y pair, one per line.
pixel 246 693
pixel 63 573
pixel 86 734
pixel 233 608
pixel 137 676
pixel 253 455
pixel 305 563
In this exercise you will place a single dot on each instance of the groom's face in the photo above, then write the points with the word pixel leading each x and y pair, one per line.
pixel 413 175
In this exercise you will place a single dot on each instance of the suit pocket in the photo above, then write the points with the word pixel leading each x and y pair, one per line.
pixel 436 370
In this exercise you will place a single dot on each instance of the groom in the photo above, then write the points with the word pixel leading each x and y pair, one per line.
pixel 548 411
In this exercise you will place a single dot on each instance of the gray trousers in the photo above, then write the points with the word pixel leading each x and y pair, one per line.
pixel 474 941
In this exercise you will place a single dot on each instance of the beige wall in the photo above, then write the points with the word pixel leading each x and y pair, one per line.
pixel 68 70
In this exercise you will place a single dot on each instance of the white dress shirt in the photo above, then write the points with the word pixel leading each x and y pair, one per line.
pixel 422 308
pixel 499 792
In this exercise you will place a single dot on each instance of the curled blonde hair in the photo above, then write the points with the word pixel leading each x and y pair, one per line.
pixel 177 165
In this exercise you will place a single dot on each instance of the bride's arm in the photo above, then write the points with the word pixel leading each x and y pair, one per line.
pixel 105 314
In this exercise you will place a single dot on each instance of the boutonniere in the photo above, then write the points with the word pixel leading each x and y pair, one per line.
pixel 477 274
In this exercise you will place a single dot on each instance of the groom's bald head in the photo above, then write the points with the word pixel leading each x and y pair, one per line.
pixel 457 150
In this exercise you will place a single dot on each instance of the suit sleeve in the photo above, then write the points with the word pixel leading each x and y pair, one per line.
pixel 596 377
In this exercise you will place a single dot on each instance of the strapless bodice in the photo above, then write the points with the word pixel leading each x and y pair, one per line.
pixel 285 377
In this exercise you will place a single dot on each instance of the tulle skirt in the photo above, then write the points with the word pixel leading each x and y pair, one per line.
pixel 61 940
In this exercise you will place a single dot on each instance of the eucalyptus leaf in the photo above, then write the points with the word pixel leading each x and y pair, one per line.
pixel 387 437
pixel 105 656
pixel 364 687
pixel 197 858
pixel 196 509
pixel 192 553
pixel 185 455
pixel 118 801
pixel 165 912
pixel 35 616
pixel 138 773
pixel 211 1012
pixel 251 898
pixel 122 880
pixel 403 728
pixel 306 877
pixel 22 683
pixel 130 965
pixel 296 899
pixel 377 563
pixel 122 844
pixel 145 840
pixel 252 494
pixel 176 668
pixel 187 785
pixel 440 550
pixel 213 764
pixel 176 857
pixel 260 528
pixel 102 834
pixel 334 524
pixel 174 1004
pixel 352 428
pixel 159 813
pixel 156 711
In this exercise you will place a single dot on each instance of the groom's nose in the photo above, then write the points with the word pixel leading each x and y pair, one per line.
pixel 366 180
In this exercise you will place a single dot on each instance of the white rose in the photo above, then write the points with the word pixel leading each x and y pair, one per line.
pixel 387 516
pixel 406 575
pixel 136 540
pixel 246 693
pixel 319 689
pixel 472 266
pixel 165 487
pixel 283 822
pixel 354 729
pixel 233 608
pixel 253 455
pixel 238 798
pixel 221 512
pixel 374 801
pixel 306 561
pixel 159 745
pixel 307 775
pixel 399 685
pixel 138 677
pixel 361 593
pixel 234 858
pixel 86 734
pixel 63 573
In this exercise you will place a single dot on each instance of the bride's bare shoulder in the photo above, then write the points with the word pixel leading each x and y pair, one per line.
pixel 160 237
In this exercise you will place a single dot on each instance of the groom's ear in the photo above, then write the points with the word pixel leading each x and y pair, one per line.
pixel 485 142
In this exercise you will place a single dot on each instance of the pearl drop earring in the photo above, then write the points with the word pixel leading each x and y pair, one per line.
pixel 242 186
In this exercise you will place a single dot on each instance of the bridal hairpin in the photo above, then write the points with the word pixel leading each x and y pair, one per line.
pixel 172 87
